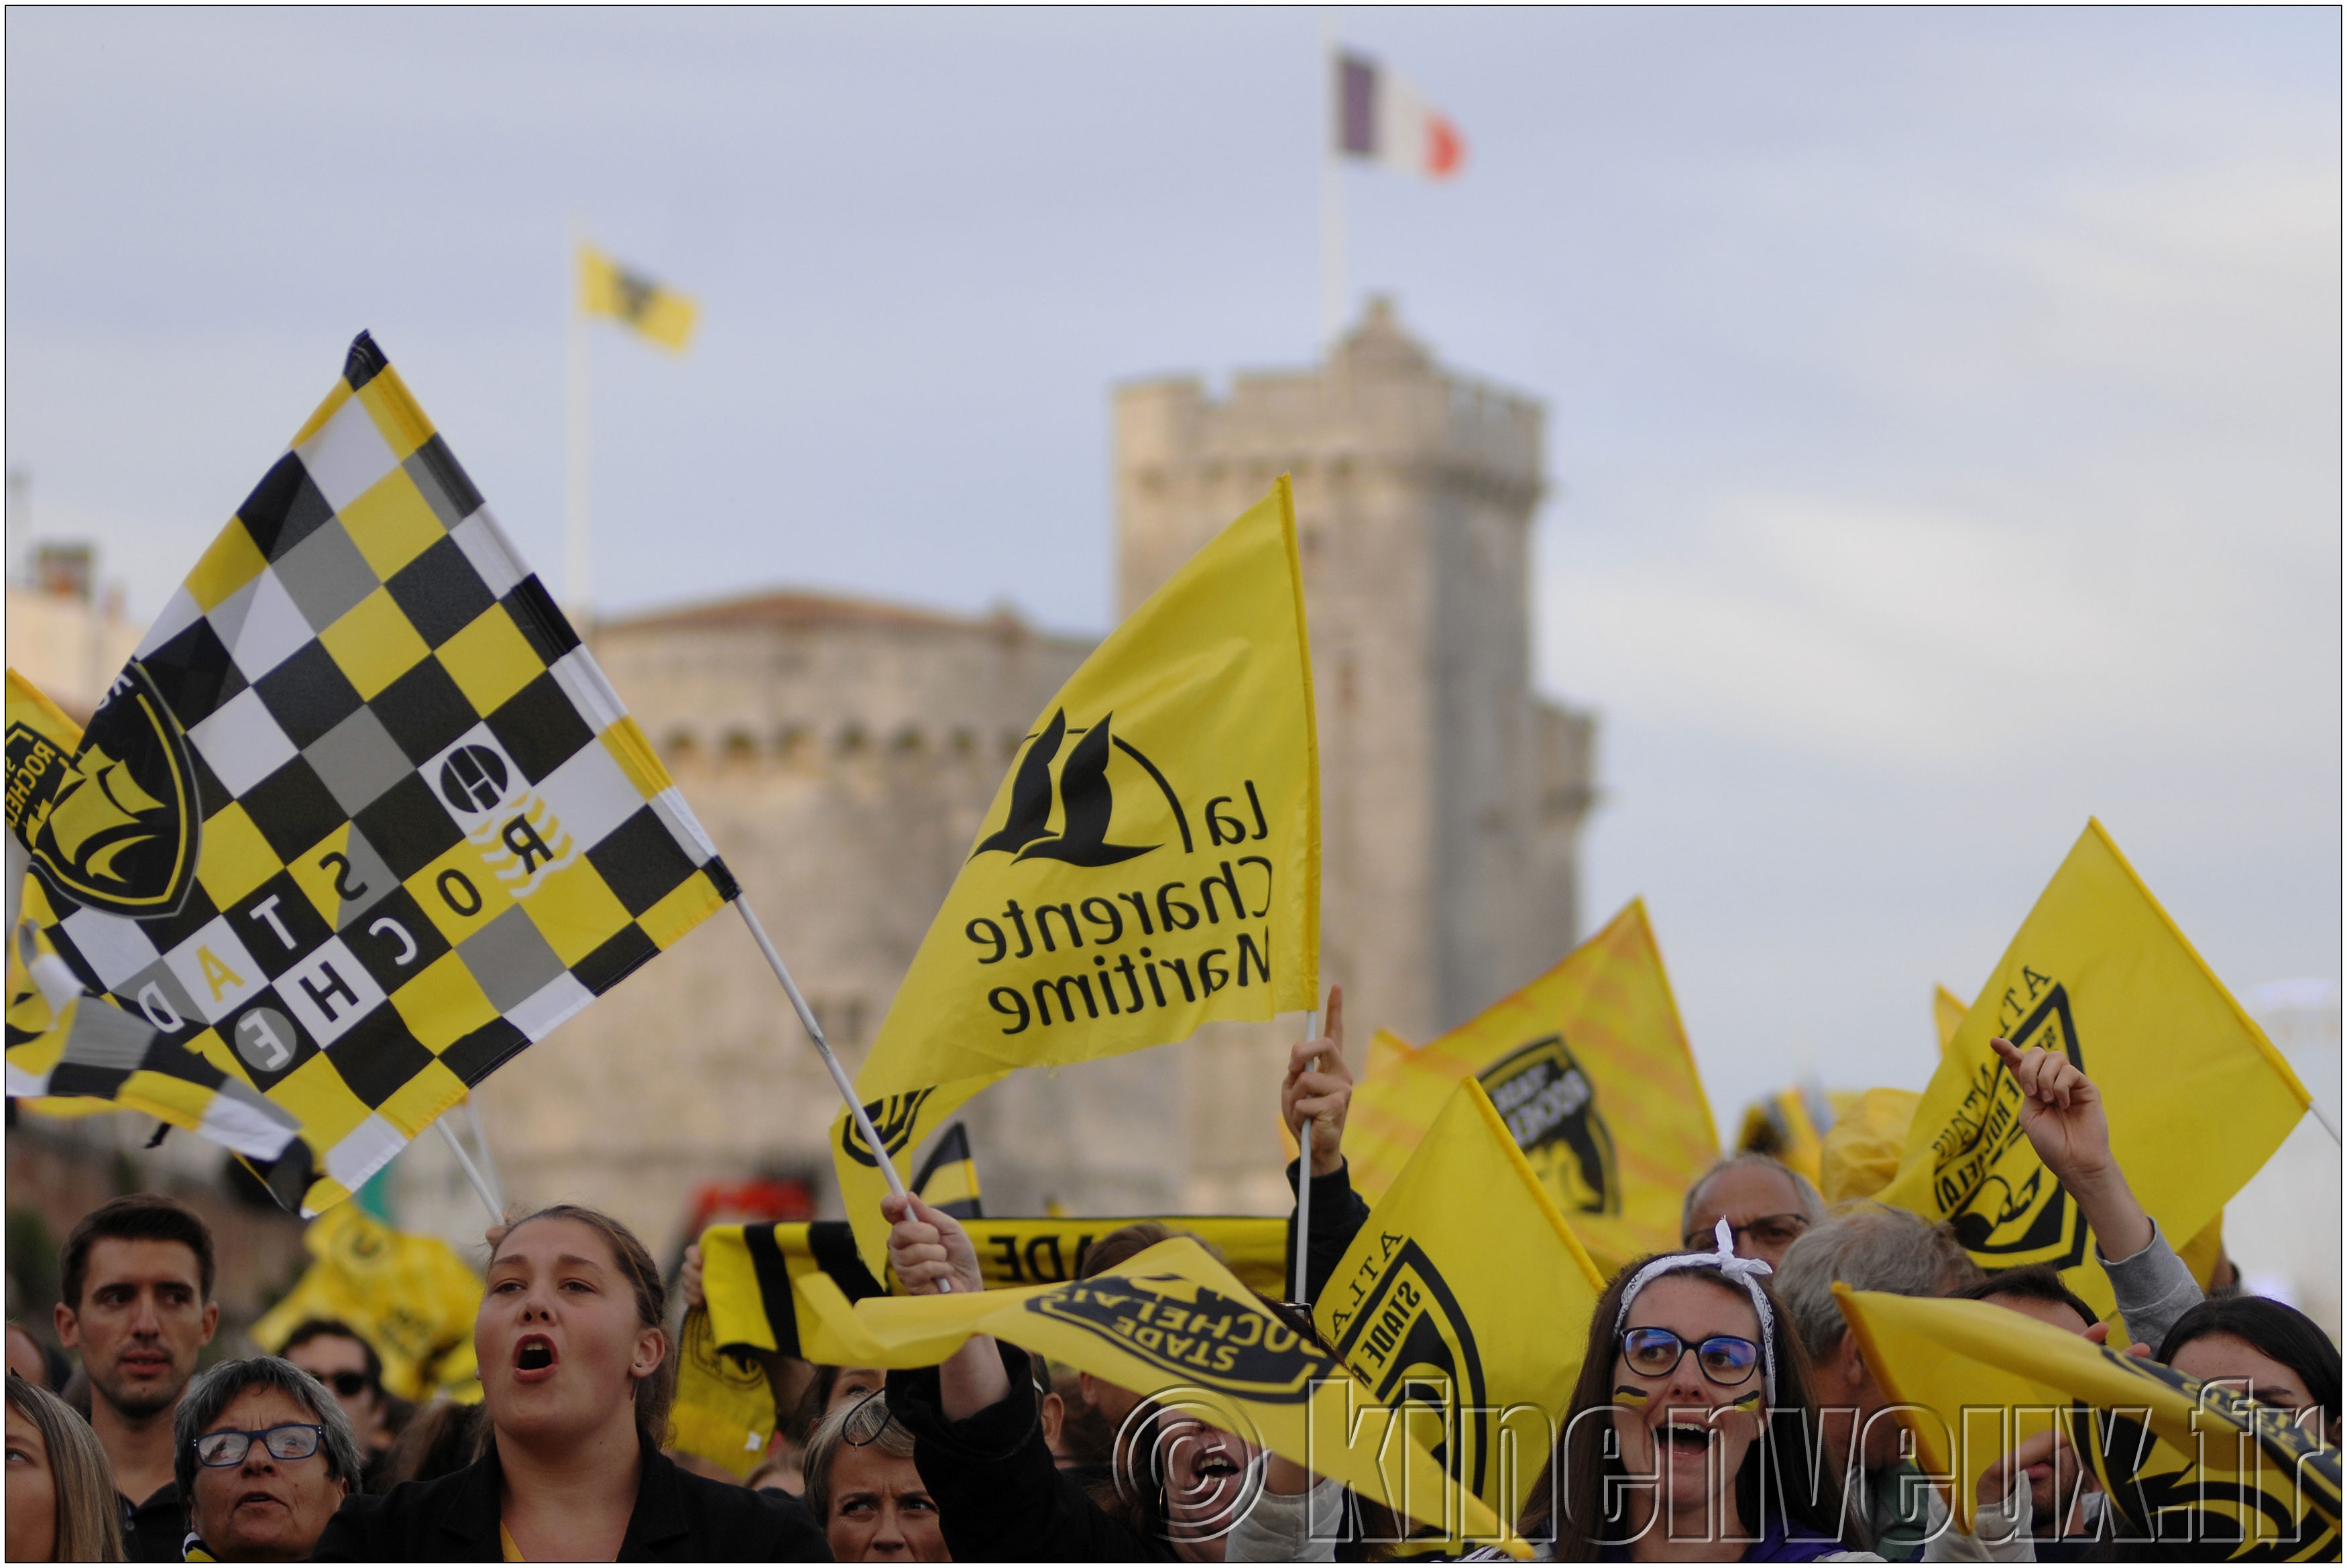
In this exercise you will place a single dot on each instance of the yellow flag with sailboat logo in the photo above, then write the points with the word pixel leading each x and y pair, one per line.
pixel 53 1017
pixel 1178 1328
pixel 2184 1464
pixel 1589 1068
pixel 1151 863
pixel 2195 1095
pixel 1467 1296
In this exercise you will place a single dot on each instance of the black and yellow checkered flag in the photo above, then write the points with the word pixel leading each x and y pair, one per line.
pixel 359 821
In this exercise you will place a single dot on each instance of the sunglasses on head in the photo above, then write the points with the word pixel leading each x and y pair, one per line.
pixel 866 1418
pixel 1725 1358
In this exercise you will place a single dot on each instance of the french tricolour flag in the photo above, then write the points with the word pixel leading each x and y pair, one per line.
pixel 1383 117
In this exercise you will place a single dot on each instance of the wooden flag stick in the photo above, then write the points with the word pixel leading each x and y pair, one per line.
pixel 1303 1173
pixel 815 1032
pixel 472 1172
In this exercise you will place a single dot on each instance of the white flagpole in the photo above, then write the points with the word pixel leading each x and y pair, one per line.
pixel 1304 1172
pixel 815 1032
pixel 472 1172
pixel 578 537
pixel 1332 188
pixel 481 1147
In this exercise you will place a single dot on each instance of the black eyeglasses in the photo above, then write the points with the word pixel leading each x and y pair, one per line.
pixel 295 1439
pixel 346 1385
pixel 1769 1230
pixel 1658 1352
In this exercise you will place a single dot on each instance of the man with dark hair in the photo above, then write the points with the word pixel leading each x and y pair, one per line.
pixel 2035 1291
pixel 137 1302
pixel 338 1355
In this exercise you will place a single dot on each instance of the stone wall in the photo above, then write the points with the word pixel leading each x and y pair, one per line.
pixel 1452 796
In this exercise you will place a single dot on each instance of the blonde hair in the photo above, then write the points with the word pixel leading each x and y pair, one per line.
pixel 831 1434
pixel 89 1524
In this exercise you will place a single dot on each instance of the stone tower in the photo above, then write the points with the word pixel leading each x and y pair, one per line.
pixel 1452 795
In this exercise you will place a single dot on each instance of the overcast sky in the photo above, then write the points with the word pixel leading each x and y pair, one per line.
pixel 1944 405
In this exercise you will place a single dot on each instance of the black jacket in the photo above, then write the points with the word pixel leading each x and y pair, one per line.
pixel 153 1529
pixel 1338 1215
pixel 999 1496
pixel 679 1517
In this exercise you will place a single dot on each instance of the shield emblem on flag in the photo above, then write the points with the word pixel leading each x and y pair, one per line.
pixel 2003 1202
pixel 115 826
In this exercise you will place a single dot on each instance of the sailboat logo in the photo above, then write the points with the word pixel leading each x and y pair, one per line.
pixel 1085 798
pixel 115 826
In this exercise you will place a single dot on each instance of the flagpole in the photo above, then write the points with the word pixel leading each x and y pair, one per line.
pixel 578 539
pixel 481 1147
pixel 472 1172
pixel 1304 1171
pixel 1332 190
pixel 815 1032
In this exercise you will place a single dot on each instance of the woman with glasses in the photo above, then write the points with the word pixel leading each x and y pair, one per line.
pixel 263 1456
pixel 1691 1393
pixel 865 1490
pixel 575 1384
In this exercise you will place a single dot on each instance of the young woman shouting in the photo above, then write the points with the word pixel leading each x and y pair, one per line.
pixel 576 1381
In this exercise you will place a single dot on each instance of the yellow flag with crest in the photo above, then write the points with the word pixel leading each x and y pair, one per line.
pixel 1175 1327
pixel 411 1296
pixel 2180 1462
pixel 1589 1068
pixel 1151 863
pixel 2099 973
pixel 1468 1296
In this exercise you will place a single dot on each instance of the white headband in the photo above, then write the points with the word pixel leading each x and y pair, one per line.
pixel 1745 1272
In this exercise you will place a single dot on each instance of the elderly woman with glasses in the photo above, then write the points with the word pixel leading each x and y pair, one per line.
pixel 264 1456
pixel 864 1488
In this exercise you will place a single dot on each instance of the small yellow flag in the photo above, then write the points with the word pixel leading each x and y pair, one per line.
pixel 1151 863
pixel 2180 1460
pixel 724 1409
pixel 2197 1097
pixel 1467 1294
pixel 1589 1067
pixel 1174 1325
pixel 411 1296
pixel 654 309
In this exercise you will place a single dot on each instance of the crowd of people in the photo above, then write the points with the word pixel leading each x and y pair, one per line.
pixel 1695 1363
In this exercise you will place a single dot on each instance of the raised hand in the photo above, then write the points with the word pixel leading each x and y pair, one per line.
pixel 928 1250
pixel 1322 1090
pixel 2062 1114
pixel 687 1283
